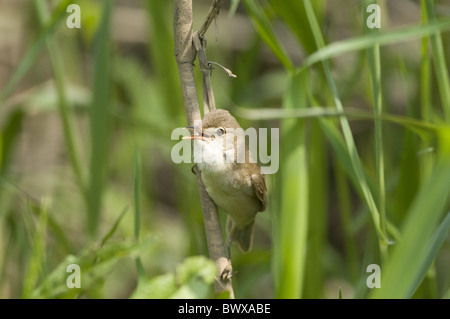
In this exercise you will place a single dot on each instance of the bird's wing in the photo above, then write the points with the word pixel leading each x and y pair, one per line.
pixel 259 186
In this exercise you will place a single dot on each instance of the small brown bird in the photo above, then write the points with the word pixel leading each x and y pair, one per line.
pixel 231 177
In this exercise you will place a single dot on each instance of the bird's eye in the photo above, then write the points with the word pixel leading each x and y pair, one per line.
pixel 220 132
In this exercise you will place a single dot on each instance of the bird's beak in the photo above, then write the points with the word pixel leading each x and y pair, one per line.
pixel 196 134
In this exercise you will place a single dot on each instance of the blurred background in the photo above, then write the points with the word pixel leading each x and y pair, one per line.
pixel 86 176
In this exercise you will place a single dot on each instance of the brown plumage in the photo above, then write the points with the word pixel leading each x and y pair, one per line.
pixel 237 188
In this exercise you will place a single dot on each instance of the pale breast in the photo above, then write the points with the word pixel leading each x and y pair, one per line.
pixel 236 199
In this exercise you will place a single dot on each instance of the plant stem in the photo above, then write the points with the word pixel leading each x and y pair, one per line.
pixel 57 66
pixel 185 55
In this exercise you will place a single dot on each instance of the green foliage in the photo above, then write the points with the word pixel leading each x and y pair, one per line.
pixel 292 219
pixel 265 30
pixel 408 245
pixel 420 239
pixel 86 175
pixel 191 280
pixel 96 264
pixel 100 119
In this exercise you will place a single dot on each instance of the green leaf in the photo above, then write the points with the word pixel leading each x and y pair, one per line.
pixel 35 49
pixel 319 200
pixel 113 229
pixel 420 237
pixel 96 263
pixel 292 221
pixel 346 130
pixel 159 287
pixel 100 118
pixel 434 245
pixel 193 278
pixel 233 7
pixel 63 100
pixel 38 254
pixel 374 61
pixel 197 274
pixel 423 129
pixel 8 136
pixel 292 12
pixel 265 30
pixel 367 41
pixel 440 65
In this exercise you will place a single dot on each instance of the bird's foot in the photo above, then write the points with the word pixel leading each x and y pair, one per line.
pixel 227 273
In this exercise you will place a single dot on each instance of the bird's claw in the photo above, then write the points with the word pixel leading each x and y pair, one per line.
pixel 227 273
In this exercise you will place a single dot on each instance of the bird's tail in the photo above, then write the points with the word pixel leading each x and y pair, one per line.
pixel 243 236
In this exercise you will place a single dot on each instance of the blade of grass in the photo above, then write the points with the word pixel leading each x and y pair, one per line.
pixel 373 56
pixel 33 52
pixel 63 105
pixel 345 213
pixel 318 203
pixel 37 259
pixel 423 129
pixel 293 14
pixel 114 227
pixel 8 135
pixel 440 66
pixel 265 30
pixel 409 170
pixel 163 65
pixel 137 211
pixel 351 147
pixel 291 243
pixel 364 42
pixel 53 225
pixel 137 194
pixel 96 263
pixel 35 207
pixel 433 248
pixel 426 110
pixel 402 272
pixel 425 73
pixel 233 7
pixel 99 119
pixel 339 146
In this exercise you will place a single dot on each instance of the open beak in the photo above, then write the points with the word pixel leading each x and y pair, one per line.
pixel 195 134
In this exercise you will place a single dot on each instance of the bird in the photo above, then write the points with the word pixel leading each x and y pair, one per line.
pixel 232 178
